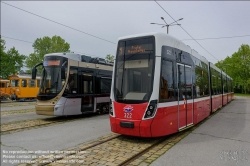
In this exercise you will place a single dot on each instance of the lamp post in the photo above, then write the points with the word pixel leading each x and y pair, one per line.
pixel 167 25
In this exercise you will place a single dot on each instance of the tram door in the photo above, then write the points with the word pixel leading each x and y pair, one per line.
pixel 87 91
pixel 185 96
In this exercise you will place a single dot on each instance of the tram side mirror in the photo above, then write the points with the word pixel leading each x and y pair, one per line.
pixel 63 73
pixel 34 70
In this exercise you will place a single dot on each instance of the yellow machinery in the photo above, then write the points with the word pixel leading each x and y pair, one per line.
pixel 4 88
pixel 22 87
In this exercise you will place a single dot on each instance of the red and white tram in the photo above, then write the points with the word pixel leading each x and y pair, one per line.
pixel 161 86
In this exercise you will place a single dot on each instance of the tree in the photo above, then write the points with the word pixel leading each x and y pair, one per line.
pixel 110 57
pixel 44 46
pixel 237 66
pixel 11 61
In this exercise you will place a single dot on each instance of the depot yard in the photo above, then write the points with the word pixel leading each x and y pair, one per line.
pixel 89 141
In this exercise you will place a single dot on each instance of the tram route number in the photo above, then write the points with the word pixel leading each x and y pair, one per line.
pixel 127 115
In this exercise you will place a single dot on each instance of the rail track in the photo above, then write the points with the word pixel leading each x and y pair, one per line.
pixel 16 103
pixel 115 150
pixel 12 112
pixel 17 126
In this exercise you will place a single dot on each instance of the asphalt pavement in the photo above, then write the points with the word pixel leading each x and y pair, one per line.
pixel 56 137
pixel 21 117
pixel 223 140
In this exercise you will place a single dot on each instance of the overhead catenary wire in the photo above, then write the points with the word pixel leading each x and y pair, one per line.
pixel 114 42
pixel 185 30
pixel 16 39
pixel 33 42
pixel 59 23
pixel 211 38
pixel 225 37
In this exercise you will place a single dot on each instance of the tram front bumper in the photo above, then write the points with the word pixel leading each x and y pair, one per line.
pixel 45 110
pixel 139 128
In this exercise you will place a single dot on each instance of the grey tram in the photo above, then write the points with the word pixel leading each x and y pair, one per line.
pixel 73 84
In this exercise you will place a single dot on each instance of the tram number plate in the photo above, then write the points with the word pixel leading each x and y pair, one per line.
pixel 127 115
pixel 127 124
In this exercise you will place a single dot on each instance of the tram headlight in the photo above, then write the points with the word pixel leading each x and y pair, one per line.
pixel 110 108
pixel 150 112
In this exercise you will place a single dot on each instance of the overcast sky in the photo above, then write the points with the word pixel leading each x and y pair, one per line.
pixel 110 20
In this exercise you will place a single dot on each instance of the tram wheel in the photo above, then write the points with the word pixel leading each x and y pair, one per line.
pixel 104 109
pixel 13 97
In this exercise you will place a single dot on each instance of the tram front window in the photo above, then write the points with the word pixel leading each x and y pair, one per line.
pixel 52 81
pixel 134 70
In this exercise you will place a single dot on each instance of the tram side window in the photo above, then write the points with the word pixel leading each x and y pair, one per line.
pixel 72 83
pixel 205 83
pixel 188 82
pixel 219 84
pixel 216 73
pixel 214 85
pixel 225 89
pixel 202 82
pixel 166 82
pixel 15 83
pixel 181 82
pixel 232 86
pixel 24 83
pixel 229 85
pixel 105 85
pixel 32 83
pixel 2 85
pixel 226 86
pixel 87 83
pixel 214 82
pixel 198 91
